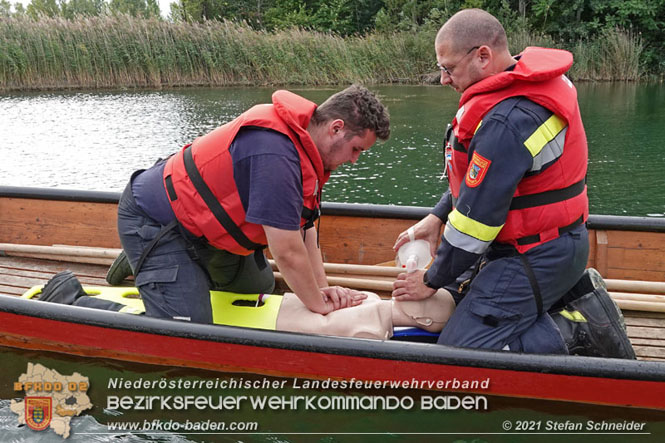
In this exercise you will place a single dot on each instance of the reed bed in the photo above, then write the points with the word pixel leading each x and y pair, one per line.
pixel 615 55
pixel 123 51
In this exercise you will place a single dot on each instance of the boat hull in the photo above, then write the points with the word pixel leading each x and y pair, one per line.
pixel 622 247
pixel 35 325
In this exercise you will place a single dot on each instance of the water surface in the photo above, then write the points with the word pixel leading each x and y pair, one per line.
pixel 94 140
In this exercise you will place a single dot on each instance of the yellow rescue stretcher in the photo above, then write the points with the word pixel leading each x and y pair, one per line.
pixel 228 308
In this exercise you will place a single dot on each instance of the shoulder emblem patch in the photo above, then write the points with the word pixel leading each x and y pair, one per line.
pixel 477 170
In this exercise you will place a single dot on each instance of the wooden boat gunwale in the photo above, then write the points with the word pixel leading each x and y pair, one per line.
pixel 619 222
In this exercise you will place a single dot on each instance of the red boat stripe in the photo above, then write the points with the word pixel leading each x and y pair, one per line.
pixel 139 346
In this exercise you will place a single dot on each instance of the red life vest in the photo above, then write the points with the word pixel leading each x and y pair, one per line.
pixel 539 76
pixel 198 209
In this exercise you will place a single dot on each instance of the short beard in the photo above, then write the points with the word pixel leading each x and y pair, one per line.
pixel 334 148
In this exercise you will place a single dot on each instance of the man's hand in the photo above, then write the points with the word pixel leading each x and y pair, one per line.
pixel 410 286
pixel 426 229
pixel 341 297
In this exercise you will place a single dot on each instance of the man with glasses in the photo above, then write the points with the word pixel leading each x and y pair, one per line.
pixel 516 207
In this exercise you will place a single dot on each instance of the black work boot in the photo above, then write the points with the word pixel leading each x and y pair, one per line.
pixel 63 288
pixel 119 270
pixel 591 323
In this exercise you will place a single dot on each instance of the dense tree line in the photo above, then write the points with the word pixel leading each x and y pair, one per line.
pixel 566 23
pixel 71 9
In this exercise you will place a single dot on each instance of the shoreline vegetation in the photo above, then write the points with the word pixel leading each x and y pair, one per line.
pixel 121 51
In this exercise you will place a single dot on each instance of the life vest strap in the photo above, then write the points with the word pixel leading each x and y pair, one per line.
pixel 548 197
pixel 310 215
pixel 170 189
pixel 148 249
pixel 213 204
pixel 544 198
pixel 533 281
pixel 537 237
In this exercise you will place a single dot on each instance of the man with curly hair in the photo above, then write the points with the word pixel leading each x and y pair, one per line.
pixel 201 219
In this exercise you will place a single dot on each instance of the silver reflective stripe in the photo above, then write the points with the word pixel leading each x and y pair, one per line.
pixel 462 241
pixel 550 152
pixel 459 114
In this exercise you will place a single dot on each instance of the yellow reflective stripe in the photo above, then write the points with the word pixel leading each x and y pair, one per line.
pixel 478 127
pixel 463 241
pixel 575 316
pixel 473 228
pixel 546 132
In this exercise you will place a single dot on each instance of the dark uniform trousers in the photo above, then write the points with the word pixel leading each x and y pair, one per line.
pixel 176 276
pixel 500 310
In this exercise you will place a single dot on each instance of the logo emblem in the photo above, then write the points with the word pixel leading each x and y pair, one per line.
pixel 38 412
pixel 477 170
pixel 447 159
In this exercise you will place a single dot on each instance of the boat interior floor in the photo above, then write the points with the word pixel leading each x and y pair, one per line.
pixel 18 274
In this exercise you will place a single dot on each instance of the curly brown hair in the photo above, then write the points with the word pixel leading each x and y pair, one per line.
pixel 359 108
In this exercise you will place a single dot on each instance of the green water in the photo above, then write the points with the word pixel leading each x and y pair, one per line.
pixel 626 132
pixel 625 125
pixel 94 140
pixel 405 422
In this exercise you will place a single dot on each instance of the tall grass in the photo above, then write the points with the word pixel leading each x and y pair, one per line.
pixel 522 37
pixel 121 51
pixel 615 55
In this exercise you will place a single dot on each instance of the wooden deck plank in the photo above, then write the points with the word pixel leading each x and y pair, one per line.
pixel 11 290
pixel 43 265
pixel 645 321
pixel 18 274
pixel 650 333
pixel 28 273
pixel 649 352
pixel 657 343
pixel 19 280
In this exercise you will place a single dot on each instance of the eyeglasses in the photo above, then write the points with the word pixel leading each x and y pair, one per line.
pixel 449 70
